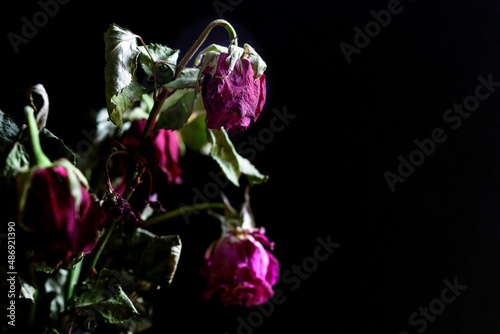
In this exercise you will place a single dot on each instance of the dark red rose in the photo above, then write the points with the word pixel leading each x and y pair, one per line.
pixel 62 217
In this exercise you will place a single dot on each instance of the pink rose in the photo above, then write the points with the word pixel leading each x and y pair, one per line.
pixel 233 98
pixel 166 148
pixel 240 266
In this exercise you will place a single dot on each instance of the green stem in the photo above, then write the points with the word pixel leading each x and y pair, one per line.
pixel 74 275
pixel 32 311
pixel 180 211
pixel 165 93
pixel 201 39
pixel 40 158
pixel 154 113
pixel 101 244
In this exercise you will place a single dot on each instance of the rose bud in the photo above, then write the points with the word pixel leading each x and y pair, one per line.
pixel 239 266
pixel 62 216
pixel 233 88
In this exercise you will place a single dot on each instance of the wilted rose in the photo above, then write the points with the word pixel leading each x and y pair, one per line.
pixel 61 215
pixel 232 98
pixel 241 268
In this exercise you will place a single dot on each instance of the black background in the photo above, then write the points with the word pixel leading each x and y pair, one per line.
pixel 327 166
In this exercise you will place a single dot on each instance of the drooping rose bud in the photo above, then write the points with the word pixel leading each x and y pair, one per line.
pixel 241 268
pixel 54 206
pixel 59 213
pixel 233 94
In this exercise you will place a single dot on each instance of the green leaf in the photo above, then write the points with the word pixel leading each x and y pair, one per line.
pixel 135 325
pixel 75 180
pixel 249 170
pixel 44 267
pixel 148 102
pixel 211 57
pixel 232 164
pixel 164 71
pixel 211 60
pixel 194 134
pixel 233 219
pixel 258 64
pixel 159 260
pixel 54 147
pixel 13 159
pixel 176 110
pixel 127 246
pixel 235 53
pixel 106 300
pixel 8 131
pixel 53 293
pixel 122 86
pixel 112 310
pixel 186 79
pixel 27 291
pixel 214 48
pixel 246 212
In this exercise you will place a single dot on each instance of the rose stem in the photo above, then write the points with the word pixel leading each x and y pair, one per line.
pixel 201 39
pixel 101 243
pixel 180 211
pixel 74 275
pixel 166 92
pixel 40 158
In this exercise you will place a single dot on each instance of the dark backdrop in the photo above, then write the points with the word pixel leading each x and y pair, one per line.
pixel 354 121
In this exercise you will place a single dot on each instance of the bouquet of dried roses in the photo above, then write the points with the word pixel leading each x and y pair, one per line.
pixel 86 256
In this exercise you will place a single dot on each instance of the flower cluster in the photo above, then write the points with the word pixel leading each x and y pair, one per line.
pixel 91 256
